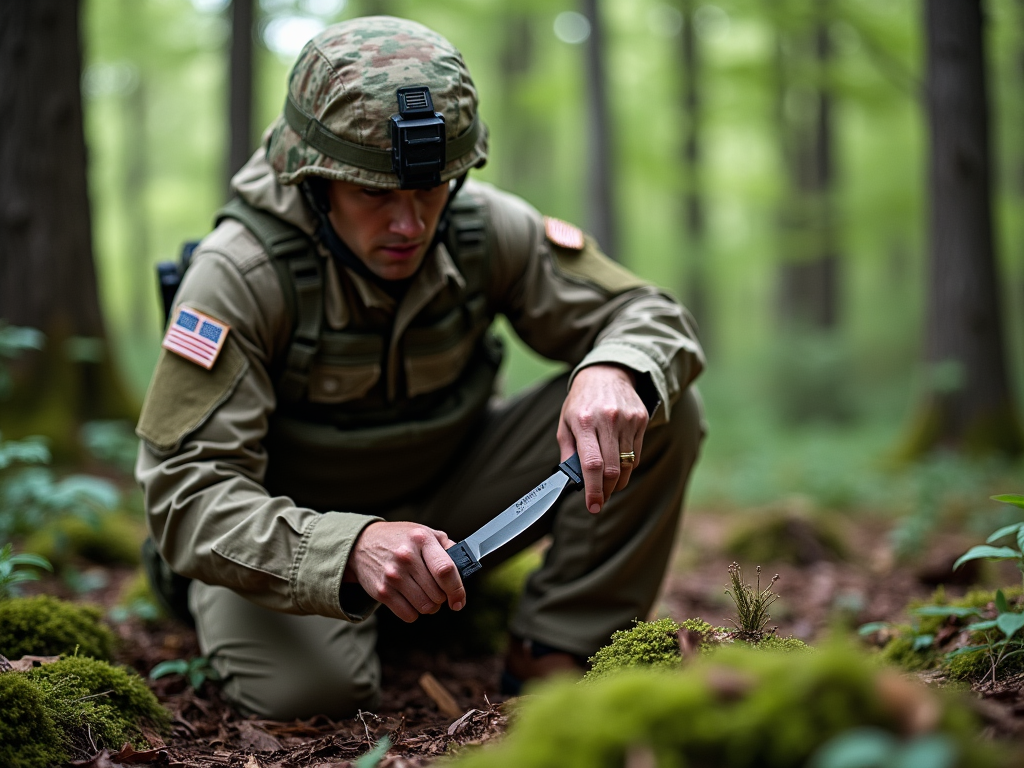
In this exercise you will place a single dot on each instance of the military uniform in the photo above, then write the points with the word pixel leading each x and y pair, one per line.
pixel 260 473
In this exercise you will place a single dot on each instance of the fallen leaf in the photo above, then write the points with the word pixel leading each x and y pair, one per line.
pixel 25 663
pixel 252 762
pixel 461 722
pixel 5 664
pixel 128 755
pixel 913 707
pixel 689 643
pixel 441 695
pixel 253 737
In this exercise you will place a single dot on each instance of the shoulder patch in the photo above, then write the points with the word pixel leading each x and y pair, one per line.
pixel 182 395
pixel 564 234
pixel 195 336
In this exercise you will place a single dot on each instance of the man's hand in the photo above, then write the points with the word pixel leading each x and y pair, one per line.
pixel 405 566
pixel 602 417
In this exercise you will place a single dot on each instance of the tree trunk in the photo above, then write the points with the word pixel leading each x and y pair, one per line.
pixel 809 279
pixel 519 130
pixel 47 278
pixel 695 286
pixel 241 144
pixel 968 405
pixel 600 203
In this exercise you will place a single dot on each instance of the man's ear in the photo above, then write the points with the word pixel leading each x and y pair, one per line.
pixel 317 194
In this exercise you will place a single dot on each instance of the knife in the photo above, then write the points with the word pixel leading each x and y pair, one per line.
pixel 517 518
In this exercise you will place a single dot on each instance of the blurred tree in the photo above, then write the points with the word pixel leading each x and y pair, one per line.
pixel 968 404
pixel 809 277
pixel 240 143
pixel 47 278
pixel 600 184
pixel 693 197
pixel 520 135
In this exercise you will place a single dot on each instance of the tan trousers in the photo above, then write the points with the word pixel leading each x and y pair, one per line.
pixel 600 572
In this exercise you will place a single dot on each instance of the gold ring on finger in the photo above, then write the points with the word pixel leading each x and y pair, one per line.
pixel 627 458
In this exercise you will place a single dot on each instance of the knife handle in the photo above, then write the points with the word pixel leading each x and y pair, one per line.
pixel 463 559
pixel 571 467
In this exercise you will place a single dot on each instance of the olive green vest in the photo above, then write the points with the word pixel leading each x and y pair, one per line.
pixel 338 439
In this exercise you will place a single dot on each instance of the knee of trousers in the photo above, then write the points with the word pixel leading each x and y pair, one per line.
pixel 287 693
pixel 285 667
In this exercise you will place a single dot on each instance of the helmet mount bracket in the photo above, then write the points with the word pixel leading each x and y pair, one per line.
pixel 418 140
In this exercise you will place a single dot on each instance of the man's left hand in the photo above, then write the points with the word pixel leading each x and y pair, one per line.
pixel 602 417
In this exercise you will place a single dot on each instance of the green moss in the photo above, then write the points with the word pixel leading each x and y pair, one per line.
pixel 786 536
pixel 781 644
pixel 116 540
pixel 28 736
pixel 735 709
pixel 900 652
pixel 46 626
pixel 108 702
pixel 646 644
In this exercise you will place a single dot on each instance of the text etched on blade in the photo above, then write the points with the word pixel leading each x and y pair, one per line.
pixel 528 499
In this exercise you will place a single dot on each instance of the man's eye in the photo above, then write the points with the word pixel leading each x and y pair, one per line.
pixel 369 192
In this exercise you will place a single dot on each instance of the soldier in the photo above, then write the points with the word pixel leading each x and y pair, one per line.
pixel 320 426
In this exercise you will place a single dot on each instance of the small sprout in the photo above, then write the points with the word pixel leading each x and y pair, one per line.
pixel 197 670
pixel 752 604
pixel 13 570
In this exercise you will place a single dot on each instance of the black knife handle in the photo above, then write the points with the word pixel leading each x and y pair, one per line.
pixel 463 559
pixel 571 467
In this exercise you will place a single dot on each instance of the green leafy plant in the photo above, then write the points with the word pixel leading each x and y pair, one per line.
pixel 14 570
pixel 752 604
pixel 988 552
pixel 372 758
pixel 196 670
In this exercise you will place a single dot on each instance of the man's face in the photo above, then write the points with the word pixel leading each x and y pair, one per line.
pixel 389 230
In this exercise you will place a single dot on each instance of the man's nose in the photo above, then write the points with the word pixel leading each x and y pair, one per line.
pixel 407 219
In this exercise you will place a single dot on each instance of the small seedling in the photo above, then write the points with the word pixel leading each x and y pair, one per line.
pixel 14 570
pixel 752 604
pixel 197 671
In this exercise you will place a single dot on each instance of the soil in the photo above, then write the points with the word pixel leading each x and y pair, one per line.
pixel 818 596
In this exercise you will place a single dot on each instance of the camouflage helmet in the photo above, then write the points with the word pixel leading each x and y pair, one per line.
pixel 342 94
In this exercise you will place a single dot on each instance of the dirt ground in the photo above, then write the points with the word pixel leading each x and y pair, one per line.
pixel 820 593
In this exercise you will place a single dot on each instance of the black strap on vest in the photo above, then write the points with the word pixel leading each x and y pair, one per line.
pixel 300 272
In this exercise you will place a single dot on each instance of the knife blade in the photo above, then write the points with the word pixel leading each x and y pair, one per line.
pixel 517 518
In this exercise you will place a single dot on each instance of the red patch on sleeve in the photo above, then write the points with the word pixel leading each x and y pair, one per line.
pixel 563 234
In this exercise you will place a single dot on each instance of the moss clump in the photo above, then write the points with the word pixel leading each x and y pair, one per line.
pixel 908 646
pixel 646 644
pixel 28 737
pixel 786 536
pixel 46 626
pixel 116 539
pixel 735 709
pixel 113 702
pixel 656 644
pixel 70 707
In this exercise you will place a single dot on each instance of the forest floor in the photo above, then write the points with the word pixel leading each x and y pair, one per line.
pixel 821 592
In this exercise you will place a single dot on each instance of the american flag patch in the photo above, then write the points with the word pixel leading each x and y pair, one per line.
pixel 196 337
pixel 563 234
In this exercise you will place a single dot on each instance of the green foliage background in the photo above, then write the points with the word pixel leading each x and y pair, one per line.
pixel 175 51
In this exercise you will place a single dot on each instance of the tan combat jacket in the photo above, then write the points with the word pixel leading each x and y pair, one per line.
pixel 204 460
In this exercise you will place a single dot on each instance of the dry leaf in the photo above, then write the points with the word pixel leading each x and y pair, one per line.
pixel 128 755
pixel 251 736
pixel 913 707
pixel 25 663
pixel 252 762
pixel 461 722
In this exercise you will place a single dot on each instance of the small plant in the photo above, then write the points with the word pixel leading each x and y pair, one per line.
pixel 14 570
pixel 752 604
pixel 988 552
pixel 197 670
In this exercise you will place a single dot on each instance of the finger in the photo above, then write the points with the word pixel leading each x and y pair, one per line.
pixel 410 575
pixel 566 441
pixel 592 464
pixel 444 574
pixel 399 606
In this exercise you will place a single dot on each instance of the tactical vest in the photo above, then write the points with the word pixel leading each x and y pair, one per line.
pixel 339 439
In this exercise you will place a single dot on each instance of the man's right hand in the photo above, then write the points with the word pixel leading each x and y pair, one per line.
pixel 405 567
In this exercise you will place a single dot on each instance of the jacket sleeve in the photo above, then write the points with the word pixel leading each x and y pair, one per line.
pixel 580 307
pixel 201 462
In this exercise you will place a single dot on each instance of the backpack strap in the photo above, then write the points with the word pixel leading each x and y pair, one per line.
pixel 466 239
pixel 300 273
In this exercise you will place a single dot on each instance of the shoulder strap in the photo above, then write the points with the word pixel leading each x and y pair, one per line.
pixel 300 273
pixel 467 239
